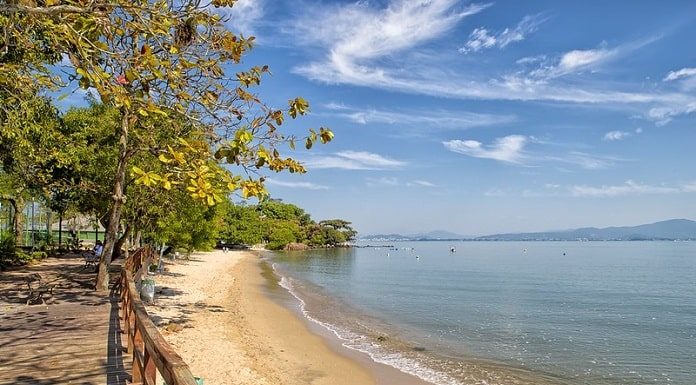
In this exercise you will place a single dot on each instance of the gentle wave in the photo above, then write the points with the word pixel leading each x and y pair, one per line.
pixel 376 352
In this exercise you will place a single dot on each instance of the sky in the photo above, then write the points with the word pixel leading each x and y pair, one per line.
pixel 484 117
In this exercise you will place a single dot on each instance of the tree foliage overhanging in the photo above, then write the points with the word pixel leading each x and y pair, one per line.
pixel 167 74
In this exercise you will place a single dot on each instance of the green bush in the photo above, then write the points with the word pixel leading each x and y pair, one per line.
pixel 7 242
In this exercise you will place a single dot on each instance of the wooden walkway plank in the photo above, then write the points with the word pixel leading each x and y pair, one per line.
pixel 74 339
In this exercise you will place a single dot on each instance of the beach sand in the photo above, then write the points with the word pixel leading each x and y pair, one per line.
pixel 234 333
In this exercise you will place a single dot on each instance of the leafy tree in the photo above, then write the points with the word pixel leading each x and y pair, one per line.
pixel 341 226
pixel 30 143
pixel 282 233
pixel 277 223
pixel 166 67
pixel 188 224
pixel 243 225
pixel 275 209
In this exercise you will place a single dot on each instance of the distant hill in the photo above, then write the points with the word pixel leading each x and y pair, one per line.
pixel 672 229
pixel 437 235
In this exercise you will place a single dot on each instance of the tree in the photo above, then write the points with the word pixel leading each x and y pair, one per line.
pixel 166 67
pixel 243 225
pixel 30 143
pixel 342 227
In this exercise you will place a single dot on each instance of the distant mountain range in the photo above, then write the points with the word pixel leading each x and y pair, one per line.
pixel 673 229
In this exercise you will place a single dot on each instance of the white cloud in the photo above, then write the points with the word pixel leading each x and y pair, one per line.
pixel 531 59
pixel 364 45
pixel 573 60
pixel 506 149
pixel 664 114
pixel 355 34
pixel 243 16
pixel 300 185
pixel 588 161
pixel 587 59
pixel 686 78
pixel 580 159
pixel 512 149
pixel 422 183
pixel 478 39
pixel 429 118
pixel 616 135
pixel 481 38
pixel 682 73
pixel 335 106
pixel 628 188
pixel 354 160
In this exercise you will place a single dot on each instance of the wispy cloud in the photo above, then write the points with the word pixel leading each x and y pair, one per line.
pixel 682 73
pixel 355 34
pixel 298 185
pixel 664 114
pixel 365 45
pixel 243 16
pixel 393 181
pixel 422 183
pixel 354 160
pixel 584 160
pixel 481 38
pixel 588 59
pixel 513 149
pixel 616 135
pixel 429 118
pixel 628 188
pixel 620 135
pixel 506 149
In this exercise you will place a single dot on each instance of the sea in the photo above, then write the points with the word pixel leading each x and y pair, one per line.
pixel 507 312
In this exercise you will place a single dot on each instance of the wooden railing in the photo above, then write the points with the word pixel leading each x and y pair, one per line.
pixel 150 352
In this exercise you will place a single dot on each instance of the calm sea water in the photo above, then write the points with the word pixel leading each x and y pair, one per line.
pixel 509 312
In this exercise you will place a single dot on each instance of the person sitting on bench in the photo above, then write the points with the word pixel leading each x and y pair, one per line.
pixel 92 257
pixel 98 248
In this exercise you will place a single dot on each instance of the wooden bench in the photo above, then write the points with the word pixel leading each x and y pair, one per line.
pixel 91 260
pixel 38 288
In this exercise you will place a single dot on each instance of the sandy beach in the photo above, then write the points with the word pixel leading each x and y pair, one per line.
pixel 233 333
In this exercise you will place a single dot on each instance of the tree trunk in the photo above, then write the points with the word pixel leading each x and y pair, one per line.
pixel 111 234
pixel 120 242
pixel 17 220
pixel 136 241
pixel 49 225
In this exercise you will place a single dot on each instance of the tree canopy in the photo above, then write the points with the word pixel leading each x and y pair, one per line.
pixel 277 224
pixel 169 73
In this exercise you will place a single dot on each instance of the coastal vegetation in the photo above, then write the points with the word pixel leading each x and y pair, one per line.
pixel 279 224
pixel 173 127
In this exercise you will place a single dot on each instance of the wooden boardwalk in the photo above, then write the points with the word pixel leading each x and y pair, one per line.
pixel 74 339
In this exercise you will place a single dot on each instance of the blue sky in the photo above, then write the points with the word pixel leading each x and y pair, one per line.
pixel 485 117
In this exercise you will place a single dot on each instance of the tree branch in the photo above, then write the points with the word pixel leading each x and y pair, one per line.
pixel 48 11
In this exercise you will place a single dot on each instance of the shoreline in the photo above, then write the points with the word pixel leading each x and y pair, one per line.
pixel 231 321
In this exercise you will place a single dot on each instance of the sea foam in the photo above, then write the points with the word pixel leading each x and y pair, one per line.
pixel 364 344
